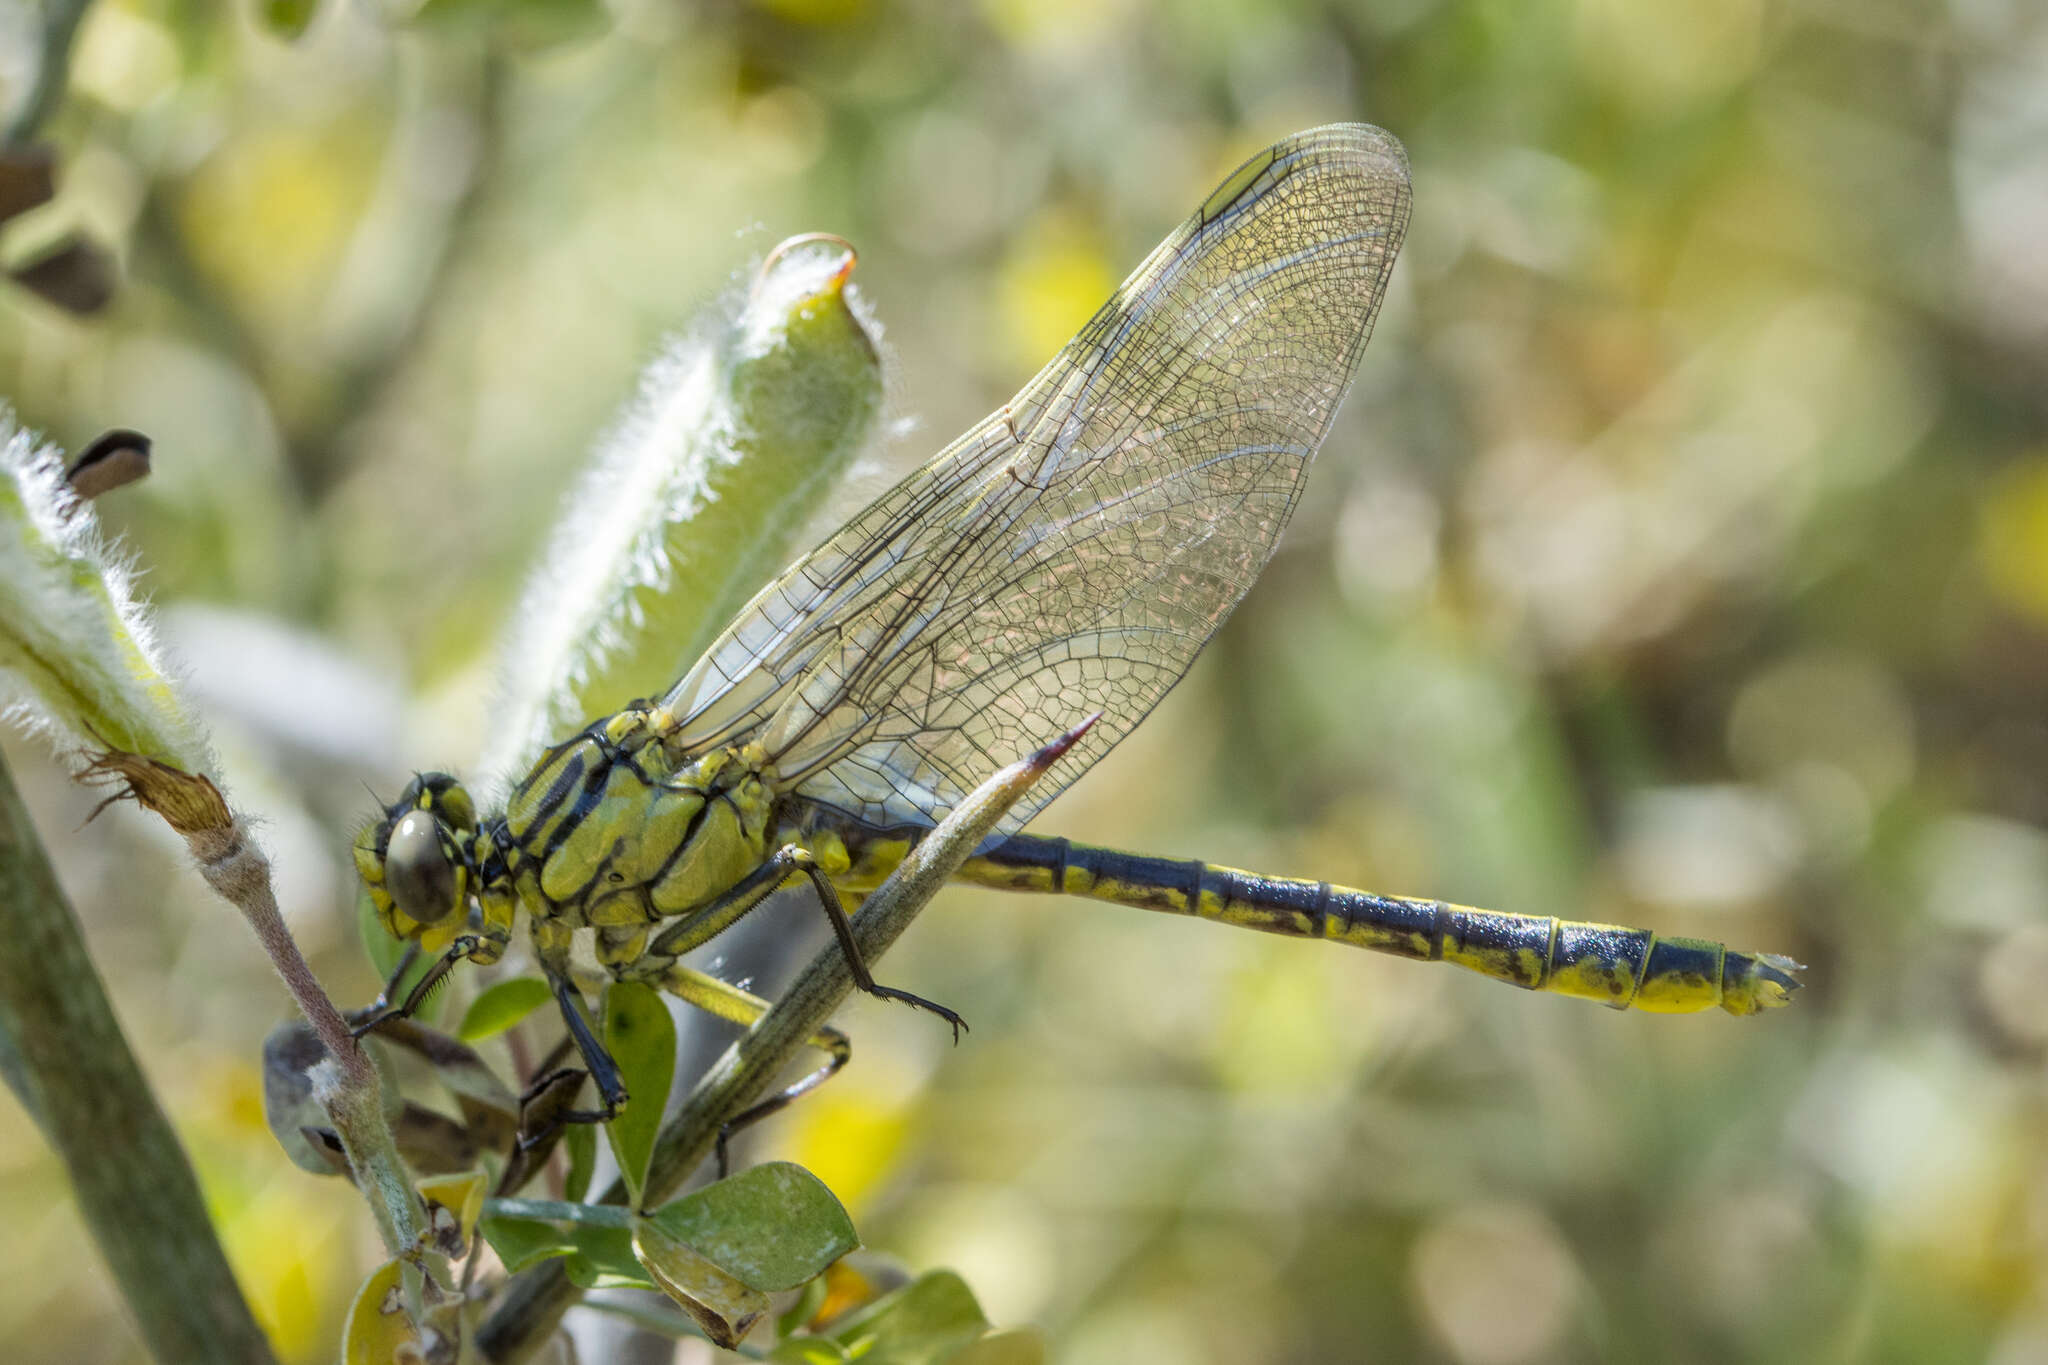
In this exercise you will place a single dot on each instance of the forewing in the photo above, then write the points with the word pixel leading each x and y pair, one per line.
pixel 1074 552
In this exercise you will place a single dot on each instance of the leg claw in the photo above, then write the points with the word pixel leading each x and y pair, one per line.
pixel 919 1002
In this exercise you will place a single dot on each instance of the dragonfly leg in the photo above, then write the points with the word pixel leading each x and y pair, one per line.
pixel 728 1001
pixel 842 928
pixel 381 1010
pixel 604 1072
pixel 551 943
pixel 410 955
pixel 707 922
pixel 544 1111
pixel 551 1089
pixel 791 860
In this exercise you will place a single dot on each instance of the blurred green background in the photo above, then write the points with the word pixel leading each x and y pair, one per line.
pixel 1681 558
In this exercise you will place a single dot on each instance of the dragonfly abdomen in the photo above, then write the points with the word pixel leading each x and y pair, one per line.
pixel 1618 966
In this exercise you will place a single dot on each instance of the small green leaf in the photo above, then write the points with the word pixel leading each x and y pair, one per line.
pixel 501 1006
pixel 810 1351
pixel 523 1242
pixel 802 1309
pixel 581 1140
pixel 604 1259
pixel 598 1257
pixel 924 1323
pixel 772 1227
pixel 642 1040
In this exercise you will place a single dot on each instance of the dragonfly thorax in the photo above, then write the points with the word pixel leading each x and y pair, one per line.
pixel 620 826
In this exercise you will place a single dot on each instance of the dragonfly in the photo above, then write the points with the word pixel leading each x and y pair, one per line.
pixel 1069 555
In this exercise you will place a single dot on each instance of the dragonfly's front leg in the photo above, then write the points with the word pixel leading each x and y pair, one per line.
pixel 381 1010
pixel 406 958
pixel 702 925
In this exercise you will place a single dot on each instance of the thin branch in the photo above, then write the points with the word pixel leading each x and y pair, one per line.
pixel 347 1085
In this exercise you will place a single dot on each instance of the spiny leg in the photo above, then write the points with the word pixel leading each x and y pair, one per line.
pixel 382 1011
pixel 544 1110
pixel 544 1104
pixel 409 955
pixel 549 1095
pixel 709 994
pixel 828 896
pixel 604 1072
pixel 551 944
pixel 544 1073
pixel 742 1007
pixel 547 1079
pixel 634 957
pixel 701 926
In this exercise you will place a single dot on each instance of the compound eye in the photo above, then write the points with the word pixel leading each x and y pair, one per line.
pixel 421 878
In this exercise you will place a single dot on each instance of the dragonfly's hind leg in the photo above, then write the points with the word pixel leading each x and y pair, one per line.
pixel 742 1007
pixel 842 928
pixel 704 924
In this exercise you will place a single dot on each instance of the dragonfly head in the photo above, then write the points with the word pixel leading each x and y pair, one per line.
pixel 416 862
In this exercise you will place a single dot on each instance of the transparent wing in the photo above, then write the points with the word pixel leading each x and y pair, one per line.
pixel 1074 551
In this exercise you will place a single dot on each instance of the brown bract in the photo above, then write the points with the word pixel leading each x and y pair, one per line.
pixel 188 802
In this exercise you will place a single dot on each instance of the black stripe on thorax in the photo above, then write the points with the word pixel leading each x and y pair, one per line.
pixel 594 781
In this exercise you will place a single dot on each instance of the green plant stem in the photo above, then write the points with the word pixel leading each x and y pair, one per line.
pixel 133 1184
pixel 53 69
pixel 358 1117
pixel 535 1299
